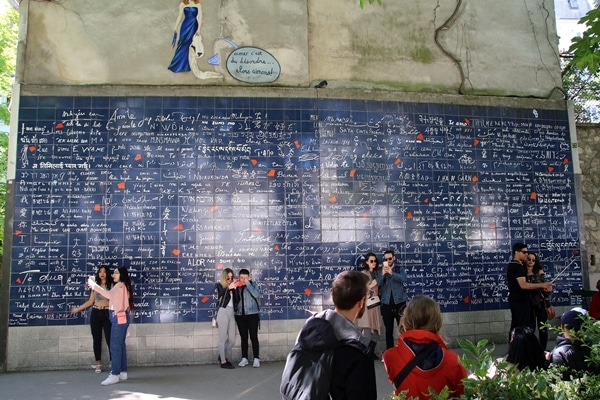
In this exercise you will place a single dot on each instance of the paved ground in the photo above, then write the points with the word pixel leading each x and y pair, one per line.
pixel 203 382
pixel 173 383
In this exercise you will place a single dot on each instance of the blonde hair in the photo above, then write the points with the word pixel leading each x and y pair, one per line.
pixel 422 312
pixel 223 280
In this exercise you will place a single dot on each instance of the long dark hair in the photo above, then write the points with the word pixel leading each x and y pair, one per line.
pixel 366 262
pixel 537 267
pixel 126 280
pixel 108 281
pixel 525 350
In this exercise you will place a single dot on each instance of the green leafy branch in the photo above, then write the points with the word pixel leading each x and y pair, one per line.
pixel 362 2
pixel 585 50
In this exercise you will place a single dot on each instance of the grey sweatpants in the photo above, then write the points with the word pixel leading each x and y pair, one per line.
pixel 226 321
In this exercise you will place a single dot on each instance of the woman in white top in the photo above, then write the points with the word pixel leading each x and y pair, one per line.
pixel 120 302
pixel 99 318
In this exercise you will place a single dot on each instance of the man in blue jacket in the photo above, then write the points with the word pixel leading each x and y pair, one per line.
pixel 247 317
pixel 392 288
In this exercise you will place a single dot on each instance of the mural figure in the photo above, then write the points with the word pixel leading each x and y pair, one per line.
pixel 189 45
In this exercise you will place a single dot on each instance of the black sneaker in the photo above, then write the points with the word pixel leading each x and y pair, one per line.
pixel 227 365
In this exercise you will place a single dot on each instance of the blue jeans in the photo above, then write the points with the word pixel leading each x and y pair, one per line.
pixel 118 349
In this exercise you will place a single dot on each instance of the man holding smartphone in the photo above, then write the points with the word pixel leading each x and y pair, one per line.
pixel 392 289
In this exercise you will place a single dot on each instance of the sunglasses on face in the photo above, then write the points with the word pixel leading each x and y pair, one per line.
pixel 531 259
pixel 525 252
pixel 372 261
pixel 389 259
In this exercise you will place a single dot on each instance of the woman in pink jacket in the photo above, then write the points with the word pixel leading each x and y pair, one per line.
pixel 420 330
pixel 120 299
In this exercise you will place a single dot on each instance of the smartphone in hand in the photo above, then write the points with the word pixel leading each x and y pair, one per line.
pixel 386 268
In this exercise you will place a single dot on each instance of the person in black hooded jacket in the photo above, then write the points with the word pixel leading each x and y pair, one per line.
pixel 353 369
pixel 569 351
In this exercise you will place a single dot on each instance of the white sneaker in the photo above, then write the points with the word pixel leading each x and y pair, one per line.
pixel 256 363
pixel 111 380
pixel 123 376
pixel 243 362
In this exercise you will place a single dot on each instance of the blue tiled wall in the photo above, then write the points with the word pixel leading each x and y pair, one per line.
pixel 295 190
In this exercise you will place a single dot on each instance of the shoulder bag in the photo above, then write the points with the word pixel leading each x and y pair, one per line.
pixel 412 363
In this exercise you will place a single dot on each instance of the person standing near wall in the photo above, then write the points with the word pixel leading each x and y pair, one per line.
pixel 539 298
pixel 99 317
pixel 370 322
pixel 226 298
pixel 120 303
pixel 247 316
pixel 520 291
pixel 392 285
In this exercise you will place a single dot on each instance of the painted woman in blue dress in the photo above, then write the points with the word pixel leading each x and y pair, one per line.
pixel 190 19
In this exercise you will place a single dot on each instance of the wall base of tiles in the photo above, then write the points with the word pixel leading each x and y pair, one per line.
pixel 70 347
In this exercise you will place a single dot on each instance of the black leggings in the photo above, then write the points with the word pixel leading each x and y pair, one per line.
pixel 99 322
pixel 248 324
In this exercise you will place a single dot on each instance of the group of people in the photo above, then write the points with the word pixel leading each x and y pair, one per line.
pixel 525 350
pixel 389 284
pixel 419 360
pixel 530 306
pixel 111 300
pixel 238 303
pixel 529 293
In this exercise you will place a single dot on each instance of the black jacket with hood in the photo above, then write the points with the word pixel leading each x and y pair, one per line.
pixel 353 361
pixel 571 354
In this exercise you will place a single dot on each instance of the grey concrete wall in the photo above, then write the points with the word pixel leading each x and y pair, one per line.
pixel 588 136
pixel 470 46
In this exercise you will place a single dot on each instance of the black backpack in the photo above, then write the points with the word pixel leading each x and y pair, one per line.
pixel 307 373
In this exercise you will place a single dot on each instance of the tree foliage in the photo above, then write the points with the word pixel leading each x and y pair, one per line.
pixel 585 50
pixel 581 64
pixel 9 28
pixel 583 89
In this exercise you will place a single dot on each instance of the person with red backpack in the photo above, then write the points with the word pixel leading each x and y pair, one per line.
pixel 420 359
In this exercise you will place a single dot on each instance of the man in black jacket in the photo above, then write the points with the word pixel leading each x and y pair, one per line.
pixel 519 290
pixel 568 351
pixel 352 368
